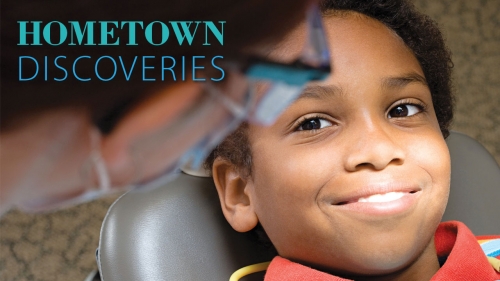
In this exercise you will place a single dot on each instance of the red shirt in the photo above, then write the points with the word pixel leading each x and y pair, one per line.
pixel 466 260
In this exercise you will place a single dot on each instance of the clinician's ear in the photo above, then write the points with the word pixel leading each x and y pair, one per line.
pixel 234 195
pixel 154 112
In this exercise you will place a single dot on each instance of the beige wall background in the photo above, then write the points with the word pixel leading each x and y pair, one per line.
pixel 472 29
pixel 61 245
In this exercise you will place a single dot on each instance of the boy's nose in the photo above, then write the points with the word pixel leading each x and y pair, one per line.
pixel 373 147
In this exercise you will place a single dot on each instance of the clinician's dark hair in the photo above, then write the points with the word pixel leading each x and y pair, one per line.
pixel 248 23
pixel 419 32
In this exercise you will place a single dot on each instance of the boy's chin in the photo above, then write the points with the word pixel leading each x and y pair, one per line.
pixel 385 263
pixel 391 247
pixel 400 264
pixel 379 265
pixel 378 255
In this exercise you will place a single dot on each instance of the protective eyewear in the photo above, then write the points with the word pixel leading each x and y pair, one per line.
pixel 257 91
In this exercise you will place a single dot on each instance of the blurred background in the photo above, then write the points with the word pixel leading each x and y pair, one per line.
pixel 61 245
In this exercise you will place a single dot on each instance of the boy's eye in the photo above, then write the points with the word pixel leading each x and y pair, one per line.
pixel 314 124
pixel 404 110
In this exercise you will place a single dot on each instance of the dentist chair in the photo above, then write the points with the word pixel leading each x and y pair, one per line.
pixel 177 232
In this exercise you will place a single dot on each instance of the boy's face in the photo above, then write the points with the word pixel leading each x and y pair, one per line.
pixel 320 173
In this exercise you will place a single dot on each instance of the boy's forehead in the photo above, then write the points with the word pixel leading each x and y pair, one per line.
pixel 355 34
pixel 293 42
pixel 347 28
pixel 356 51
pixel 357 43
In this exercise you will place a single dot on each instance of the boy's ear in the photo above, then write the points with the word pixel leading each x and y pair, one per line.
pixel 234 195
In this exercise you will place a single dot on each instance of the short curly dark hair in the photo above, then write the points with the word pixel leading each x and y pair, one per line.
pixel 419 32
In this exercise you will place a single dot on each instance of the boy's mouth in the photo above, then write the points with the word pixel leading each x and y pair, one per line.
pixel 379 200
pixel 379 197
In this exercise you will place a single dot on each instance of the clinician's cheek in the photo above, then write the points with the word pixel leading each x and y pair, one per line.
pixel 156 112
pixel 150 140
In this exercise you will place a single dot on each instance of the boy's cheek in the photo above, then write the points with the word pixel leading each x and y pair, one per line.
pixel 431 154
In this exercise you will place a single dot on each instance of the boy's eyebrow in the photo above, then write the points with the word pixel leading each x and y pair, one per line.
pixel 402 81
pixel 320 91
pixel 324 91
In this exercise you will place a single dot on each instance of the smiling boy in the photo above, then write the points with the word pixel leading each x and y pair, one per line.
pixel 353 179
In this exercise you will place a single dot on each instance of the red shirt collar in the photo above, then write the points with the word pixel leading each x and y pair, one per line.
pixel 466 260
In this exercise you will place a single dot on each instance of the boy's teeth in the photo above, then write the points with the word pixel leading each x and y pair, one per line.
pixel 387 197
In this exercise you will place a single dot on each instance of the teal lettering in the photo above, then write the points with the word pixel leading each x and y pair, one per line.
pixel 97 69
pixel 127 75
pixel 164 33
pixel 131 31
pixel 185 29
pixel 74 69
pixel 23 33
pixel 217 33
pixel 77 30
pixel 105 33
pixel 197 67
pixel 217 67
pixel 163 68
pixel 63 33
pixel 61 68
pixel 144 67
pixel 20 68
pixel 46 71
